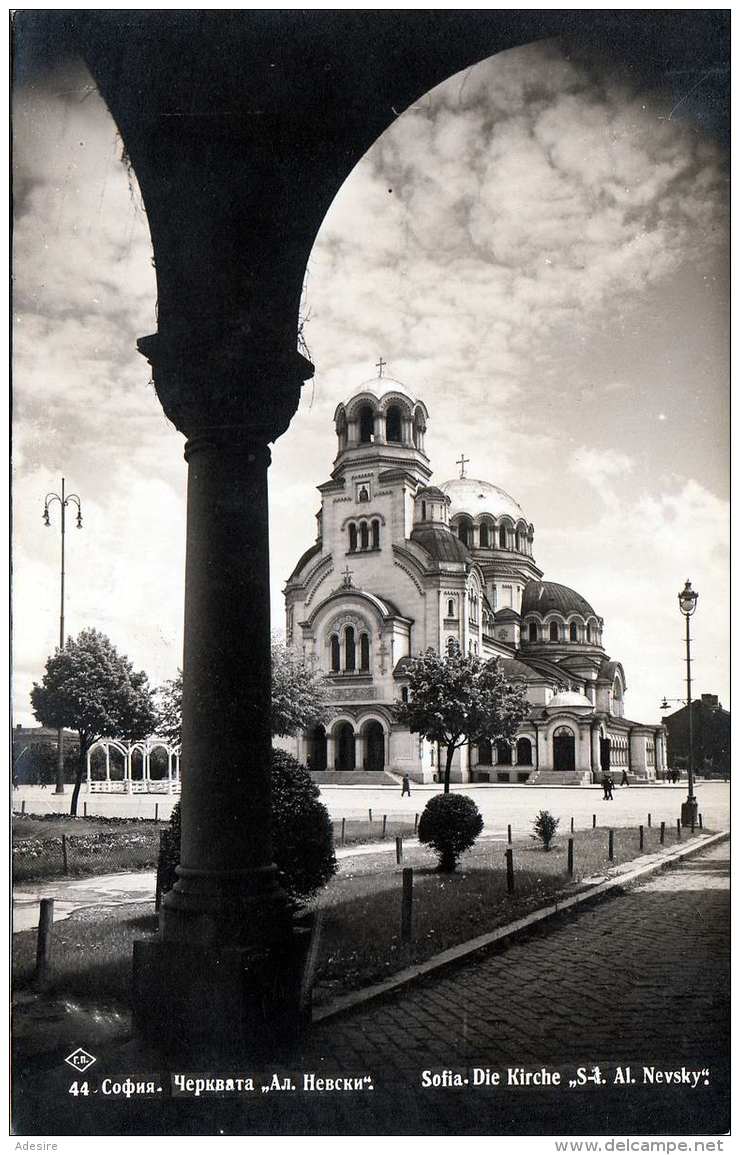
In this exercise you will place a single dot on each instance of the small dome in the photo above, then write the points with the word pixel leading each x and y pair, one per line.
pixel 468 495
pixel 569 700
pixel 379 386
pixel 432 493
pixel 441 544
pixel 542 597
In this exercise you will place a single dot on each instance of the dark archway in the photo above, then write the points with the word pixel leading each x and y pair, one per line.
pixel 564 749
pixel 344 737
pixel 503 752
pixel 374 746
pixel 366 419
pixel 605 752
pixel 524 752
pixel 393 425
pixel 317 748
pixel 485 752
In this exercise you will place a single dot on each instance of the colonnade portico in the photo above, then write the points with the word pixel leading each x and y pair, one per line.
pixel 128 783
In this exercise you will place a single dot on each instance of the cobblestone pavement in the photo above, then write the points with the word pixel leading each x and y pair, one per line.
pixel 638 980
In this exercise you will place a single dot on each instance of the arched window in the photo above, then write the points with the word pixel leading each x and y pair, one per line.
pixel 588 633
pixel 364 652
pixel 450 608
pixel 367 424
pixel 352 538
pixel 533 631
pixel 335 653
pixel 485 752
pixel 554 631
pixel 363 536
pixel 464 532
pixel 376 534
pixel 502 537
pixel 349 648
pixel 573 632
pixel 423 511
pixel 485 540
pixel 503 750
pixel 393 424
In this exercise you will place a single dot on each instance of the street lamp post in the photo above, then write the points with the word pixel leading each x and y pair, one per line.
pixel 687 600
pixel 64 501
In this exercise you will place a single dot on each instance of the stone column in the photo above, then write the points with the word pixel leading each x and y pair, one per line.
pixel 226 912
pixel 596 749
pixel 379 428
pixel 330 752
pixel 107 763
pixel 89 776
pixel 359 751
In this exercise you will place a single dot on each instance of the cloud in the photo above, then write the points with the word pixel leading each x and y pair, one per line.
pixel 599 467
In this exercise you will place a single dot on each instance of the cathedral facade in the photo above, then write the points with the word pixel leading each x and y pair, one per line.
pixel 400 565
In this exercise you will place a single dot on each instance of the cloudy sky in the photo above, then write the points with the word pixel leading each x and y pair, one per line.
pixel 538 248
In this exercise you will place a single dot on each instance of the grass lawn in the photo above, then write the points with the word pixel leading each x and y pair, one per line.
pixel 360 940
pixel 94 846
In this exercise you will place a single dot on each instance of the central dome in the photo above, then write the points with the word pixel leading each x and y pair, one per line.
pixel 468 495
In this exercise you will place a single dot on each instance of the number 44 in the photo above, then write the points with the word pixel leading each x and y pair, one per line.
pixel 79 1088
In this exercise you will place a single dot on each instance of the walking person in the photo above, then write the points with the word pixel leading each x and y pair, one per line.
pixel 605 786
pixel 625 780
pixel 406 786
pixel 608 787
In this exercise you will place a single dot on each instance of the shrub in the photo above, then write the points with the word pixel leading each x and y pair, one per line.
pixel 545 825
pixel 302 835
pixel 450 824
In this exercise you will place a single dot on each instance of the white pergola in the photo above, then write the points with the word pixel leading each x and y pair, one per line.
pixel 128 784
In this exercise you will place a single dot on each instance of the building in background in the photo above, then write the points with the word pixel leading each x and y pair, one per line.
pixel 34 753
pixel 711 737
pixel 400 565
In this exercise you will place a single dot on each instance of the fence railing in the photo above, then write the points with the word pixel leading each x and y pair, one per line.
pixel 128 787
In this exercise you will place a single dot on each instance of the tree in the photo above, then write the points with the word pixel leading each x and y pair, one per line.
pixel 91 688
pixel 455 699
pixel 299 698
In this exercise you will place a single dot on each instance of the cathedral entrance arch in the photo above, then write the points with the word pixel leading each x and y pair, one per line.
pixel 317 748
pixel 605 752
pixel 345 745
pixel 374 746
pixel 503 752
pixel 564 749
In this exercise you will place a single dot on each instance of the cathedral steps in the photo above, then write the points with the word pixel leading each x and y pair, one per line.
pixel 353 778
pixel 560 778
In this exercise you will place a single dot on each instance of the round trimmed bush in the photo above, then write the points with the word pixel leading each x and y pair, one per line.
pixel 450 824
pixel 302 835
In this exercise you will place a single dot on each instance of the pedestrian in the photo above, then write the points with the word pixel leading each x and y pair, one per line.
pixel 405 786
pixel 605 786
pixel 625 779
pixel 609 788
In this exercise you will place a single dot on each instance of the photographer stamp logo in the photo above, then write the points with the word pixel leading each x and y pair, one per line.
pixel 80 1059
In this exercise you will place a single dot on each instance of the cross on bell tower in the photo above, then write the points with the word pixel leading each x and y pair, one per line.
pixel 380 364
pixel 462 461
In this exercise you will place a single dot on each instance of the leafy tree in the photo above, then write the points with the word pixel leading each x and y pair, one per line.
pixel 450 824
pixel 91 688
pixel 455 699
pixel 299 697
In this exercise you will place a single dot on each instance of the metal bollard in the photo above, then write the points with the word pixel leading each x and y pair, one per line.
pixel 23 806
pixel 642 838
pixel 701 822
pixel 416 823
pixel 593 821
pixel 84 809
pixel 611 846
pixel 662 833
pixel 43 942
pixel 399 849
pixel 650 820
pixel 385 823
pixel 571 824
pixel 407 898
pixel 508 834
pixel 65 861
pixel 570 857
pixel 156 812
pixel 509 854
pixel 370 815
pixel 678 829
pixel 342 841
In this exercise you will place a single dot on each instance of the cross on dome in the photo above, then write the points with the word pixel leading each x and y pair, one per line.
pixel 380 364
pixel 462 461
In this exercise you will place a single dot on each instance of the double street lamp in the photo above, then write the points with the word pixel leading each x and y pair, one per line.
pixel 687 600
pixel 64 500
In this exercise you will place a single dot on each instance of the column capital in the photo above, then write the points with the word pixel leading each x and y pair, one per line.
pixel 226 385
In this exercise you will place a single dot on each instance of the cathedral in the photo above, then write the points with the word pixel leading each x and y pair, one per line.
pixel 400 565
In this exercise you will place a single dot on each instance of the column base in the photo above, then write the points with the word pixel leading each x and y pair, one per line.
pixel 214 1002
pixel 690 812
